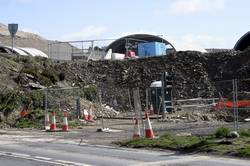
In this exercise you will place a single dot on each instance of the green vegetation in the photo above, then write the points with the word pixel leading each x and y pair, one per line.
pixel 41 69
pixel 8 101
pixel 46 76
pixel 245 152
pixel 218 143
pixel 33 120
pixel 222 132
pixel 245 132
pixel 26 123
pixel 166 141
pixel 90 92
pixel 15 100
pixel 51 74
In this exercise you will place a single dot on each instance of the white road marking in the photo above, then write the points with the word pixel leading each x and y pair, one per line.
pixel 70 163
pixel 41 159
pixel 20 154
pixel 182 159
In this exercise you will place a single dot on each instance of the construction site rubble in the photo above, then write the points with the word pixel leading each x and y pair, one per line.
pixel 194 73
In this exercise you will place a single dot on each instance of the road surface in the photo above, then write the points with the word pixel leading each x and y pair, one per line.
pixel 44 151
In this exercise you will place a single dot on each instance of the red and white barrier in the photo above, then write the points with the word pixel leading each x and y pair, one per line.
pixel 65 127
pixel 53 122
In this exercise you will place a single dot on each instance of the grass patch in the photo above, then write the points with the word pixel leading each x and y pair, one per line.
pixel 245 132
pixel 27 123
pixel 218 143
pixel 166 141
pixel 222 132
pixel 245 152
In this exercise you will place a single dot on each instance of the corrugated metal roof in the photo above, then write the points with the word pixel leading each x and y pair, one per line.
pixel 16 50
pixel 34 52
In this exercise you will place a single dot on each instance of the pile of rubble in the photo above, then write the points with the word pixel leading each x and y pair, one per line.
pixel 69 103
pixel 195 74
pixel 191 78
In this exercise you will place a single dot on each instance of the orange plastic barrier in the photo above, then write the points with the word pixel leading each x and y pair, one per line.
pixel 230 104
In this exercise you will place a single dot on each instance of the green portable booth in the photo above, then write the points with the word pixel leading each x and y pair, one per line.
pixel 156 97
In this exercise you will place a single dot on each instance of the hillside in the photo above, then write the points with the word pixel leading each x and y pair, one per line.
pixel 23 39
pixel 194 75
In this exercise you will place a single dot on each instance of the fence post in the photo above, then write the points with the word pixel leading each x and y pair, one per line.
pixel 147 103
pixel 78 108
pixel 137 106
pixel 237 110
pixel 100 104
pixel 163 95
pixel 235 104
pixel 45 107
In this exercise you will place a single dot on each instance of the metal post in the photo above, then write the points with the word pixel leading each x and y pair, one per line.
pixel 78 108
pixel 12 44
pixel 163 95
pixel 234 105
pixel 100 103
pixel 147 99
pixel 126 47
pixel 156 101
pixel 130 103
pixel 45 107
pixel 137 106
pixel 237 110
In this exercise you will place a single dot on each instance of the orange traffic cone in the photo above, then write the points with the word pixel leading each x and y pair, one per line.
pixel 148 128
pixel 85 115
pixel 47 122
pixel 65 127
pixel 53 121
pixel 137 133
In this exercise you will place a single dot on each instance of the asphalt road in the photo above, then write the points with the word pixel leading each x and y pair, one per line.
pixel 47 153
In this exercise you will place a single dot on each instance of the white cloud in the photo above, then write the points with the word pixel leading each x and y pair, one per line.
pixel 196 6
pixel 89 32
pixel 200 41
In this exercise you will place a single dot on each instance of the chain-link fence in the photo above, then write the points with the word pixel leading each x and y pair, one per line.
pixel 111 105
pixel 73 50
pixel 228 106
pixel 63 99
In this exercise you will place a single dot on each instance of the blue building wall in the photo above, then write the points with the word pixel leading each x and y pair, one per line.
pixel 151 49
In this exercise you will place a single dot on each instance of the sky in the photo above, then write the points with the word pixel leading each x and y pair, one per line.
pixel 207 23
